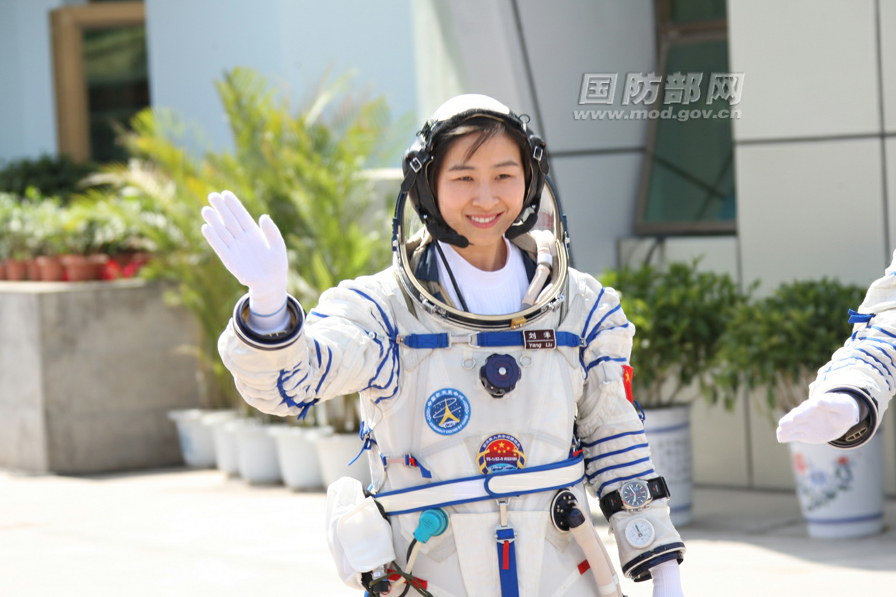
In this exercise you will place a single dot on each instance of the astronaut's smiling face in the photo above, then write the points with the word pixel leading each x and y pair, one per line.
pixel 481 195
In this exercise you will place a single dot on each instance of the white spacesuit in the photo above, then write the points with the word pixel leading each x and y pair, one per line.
pixel 851 393
pixel 482 418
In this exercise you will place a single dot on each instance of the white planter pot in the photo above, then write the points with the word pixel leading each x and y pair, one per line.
pixel 256 453
pixel 297 452
pixel 334 452
pixel 222 428
pixel 841 492
pixel 668 432
pixel 196 442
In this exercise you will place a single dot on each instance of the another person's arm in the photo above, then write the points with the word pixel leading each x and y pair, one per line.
pixel 852 391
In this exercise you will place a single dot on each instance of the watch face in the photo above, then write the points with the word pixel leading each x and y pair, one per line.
pixel 639 532
pixel 634 494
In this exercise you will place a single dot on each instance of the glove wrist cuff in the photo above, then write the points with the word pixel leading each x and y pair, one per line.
pixel 862 431
pixel 244 326
pixel 267 302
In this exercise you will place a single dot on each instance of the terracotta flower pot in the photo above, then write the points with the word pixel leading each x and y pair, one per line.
pixel 31 268
pixel 15 269
pixel 50 268
pixel 79 268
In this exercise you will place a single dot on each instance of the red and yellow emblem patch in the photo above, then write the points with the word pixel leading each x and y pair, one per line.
pixel 501 452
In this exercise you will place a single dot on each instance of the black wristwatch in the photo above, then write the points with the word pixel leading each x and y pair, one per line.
pixel 633 495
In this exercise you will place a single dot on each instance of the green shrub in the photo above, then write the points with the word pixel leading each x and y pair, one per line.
pixel 679 316
pixel 780 341
pixel 51 176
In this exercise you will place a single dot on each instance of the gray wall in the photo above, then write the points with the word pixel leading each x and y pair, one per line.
pixel 292 42
pixel 811 161
pixel 537 69
pixel 27 104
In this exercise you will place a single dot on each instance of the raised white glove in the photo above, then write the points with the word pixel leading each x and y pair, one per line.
pixel 254 253
pixel 819 419
pixel 666 580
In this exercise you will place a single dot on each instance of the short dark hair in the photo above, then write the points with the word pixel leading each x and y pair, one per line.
pixel 486 128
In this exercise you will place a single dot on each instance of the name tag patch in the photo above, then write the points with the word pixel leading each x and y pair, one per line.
pixel 539 339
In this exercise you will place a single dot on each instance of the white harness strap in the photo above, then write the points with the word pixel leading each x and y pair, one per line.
pixel 487 487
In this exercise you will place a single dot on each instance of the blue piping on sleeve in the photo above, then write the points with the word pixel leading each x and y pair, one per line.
pixel 884 352
pixel 370 383
pixel 600 360
pixel 585 329
pixel 593 308
pixel 612 437
pixel 317 346
pixel 615 327
pixel 306 406
pixel 890 345
pixel 616 466
pixel 608 454
pixel 329 362
pixel 842 363
pixel 879 329
pixel 379 344
pixel 396 370
pixel 290 401
pixel 389 327
pixel 888 374
pixel 594 331
pixel 292 374
pixel 392 333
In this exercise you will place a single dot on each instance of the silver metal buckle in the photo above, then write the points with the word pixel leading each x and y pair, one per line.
pixel 503 526
pixel 462 339
pixel 415 164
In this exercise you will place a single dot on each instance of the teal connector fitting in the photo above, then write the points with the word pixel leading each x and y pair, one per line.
pixel 432 523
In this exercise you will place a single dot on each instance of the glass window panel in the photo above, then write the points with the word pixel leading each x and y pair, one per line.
pixel 683 11
pixel 117 84
pixel 692 173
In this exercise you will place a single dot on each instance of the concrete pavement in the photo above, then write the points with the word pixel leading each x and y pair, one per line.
pixel 191 533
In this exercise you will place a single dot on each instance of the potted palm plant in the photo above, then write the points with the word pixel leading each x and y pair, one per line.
pixel 778 344
pixel 679 313
pixel 303 167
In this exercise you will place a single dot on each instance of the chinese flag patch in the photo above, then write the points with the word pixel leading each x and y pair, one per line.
pixel 627 374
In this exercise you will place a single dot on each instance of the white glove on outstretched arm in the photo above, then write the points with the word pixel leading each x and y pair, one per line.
pixel 254 253
pixel 820 419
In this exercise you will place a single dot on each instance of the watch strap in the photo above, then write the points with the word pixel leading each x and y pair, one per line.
pixel 612 503
pixel 658 488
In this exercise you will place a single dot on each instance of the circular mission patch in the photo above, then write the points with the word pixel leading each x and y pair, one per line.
pixel 447 411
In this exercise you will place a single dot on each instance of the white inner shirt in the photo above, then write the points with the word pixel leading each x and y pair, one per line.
pixel 486 293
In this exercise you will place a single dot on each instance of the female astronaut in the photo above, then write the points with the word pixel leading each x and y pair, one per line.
pixel 491 378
